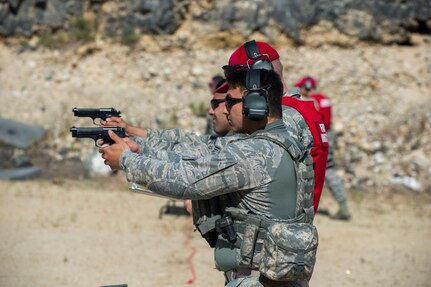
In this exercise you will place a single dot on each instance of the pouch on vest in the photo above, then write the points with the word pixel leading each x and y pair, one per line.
pixel 205 214
pixel 248 245
pixel 289 251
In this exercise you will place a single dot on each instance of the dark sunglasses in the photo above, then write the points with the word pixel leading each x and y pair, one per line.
pixel 231 101
pixel 215 102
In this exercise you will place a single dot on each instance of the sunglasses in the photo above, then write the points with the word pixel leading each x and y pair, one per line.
pixel 216 102
pixel 231 101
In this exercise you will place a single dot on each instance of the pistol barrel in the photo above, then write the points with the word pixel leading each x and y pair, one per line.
pixel 97 133
pixel 98 113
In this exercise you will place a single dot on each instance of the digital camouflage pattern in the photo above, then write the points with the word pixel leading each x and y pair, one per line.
pixel 335 185
pixel 241 166
pixel 330 163
pixel 176 135
pixel 169 140
pixel 183 144
pixel 263 282
pixel 299 131
pixel 297 128
pixel 232 172
pixel 332 180
pixel 289 251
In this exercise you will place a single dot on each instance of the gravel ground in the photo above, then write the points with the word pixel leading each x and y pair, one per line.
pixel 93 233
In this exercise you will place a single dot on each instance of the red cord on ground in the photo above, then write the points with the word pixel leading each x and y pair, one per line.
pixel 193 252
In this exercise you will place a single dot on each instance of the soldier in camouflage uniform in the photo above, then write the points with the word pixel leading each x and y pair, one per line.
pixel 155 141
pixel 216 81
pixel 252 53
pixel 323 105
pixel 264 174
pixel 165 144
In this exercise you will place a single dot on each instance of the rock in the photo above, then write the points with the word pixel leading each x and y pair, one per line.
pixel 20 173
pixel 419 159
pixel 315 23
pixel 19 134
pixel 408 182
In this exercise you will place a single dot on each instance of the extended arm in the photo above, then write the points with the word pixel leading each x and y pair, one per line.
pixel 202 178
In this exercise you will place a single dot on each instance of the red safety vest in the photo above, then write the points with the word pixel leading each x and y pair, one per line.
pixel 319 152
pixel 325 106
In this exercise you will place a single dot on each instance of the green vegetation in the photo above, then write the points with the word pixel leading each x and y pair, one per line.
pixel 80 30
pixel 129 38
pixel 83 30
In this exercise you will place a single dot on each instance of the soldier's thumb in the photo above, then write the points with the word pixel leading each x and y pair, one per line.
pixel 114 137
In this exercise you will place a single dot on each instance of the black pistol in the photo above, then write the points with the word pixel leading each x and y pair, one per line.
pixel 98 113
pixel 97 134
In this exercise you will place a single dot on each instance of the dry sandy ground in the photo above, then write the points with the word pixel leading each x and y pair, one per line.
pixel 92 233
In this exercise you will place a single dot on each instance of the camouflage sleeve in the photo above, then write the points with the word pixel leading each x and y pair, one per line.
pixel 177 135
pixel 162 155
pixel 147 146
pixel 175 151
pixel 153 142
pixel 168 139
pixel 238 167
pixel 297 128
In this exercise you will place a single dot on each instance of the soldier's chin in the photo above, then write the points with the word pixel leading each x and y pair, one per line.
pixel 235 128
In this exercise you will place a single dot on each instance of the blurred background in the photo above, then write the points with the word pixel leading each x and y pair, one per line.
pixel 153 61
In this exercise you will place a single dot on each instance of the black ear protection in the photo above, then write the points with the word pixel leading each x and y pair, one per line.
pixel 308 85
pixel 255 102
pixel 253 53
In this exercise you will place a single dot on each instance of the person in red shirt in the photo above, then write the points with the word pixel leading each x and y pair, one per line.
pixel 323 105
pixel 268 58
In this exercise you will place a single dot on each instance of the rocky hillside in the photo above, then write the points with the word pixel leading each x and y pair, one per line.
pixel 311 22
pixel 158 78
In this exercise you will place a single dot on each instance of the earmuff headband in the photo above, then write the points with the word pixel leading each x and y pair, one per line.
pixel 252 50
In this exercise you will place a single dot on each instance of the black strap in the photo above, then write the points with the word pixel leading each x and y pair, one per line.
pixel 253 80
pixel 252 50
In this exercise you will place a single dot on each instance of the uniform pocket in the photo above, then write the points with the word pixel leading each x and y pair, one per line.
pixel 289 251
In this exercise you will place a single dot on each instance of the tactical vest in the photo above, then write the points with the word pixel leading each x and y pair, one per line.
pixel 319 152
pixel 220 222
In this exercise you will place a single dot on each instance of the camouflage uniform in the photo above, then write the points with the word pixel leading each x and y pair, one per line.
pixel 177 145
pixel 334 182
pixel 166 144
pixel 167 139
pixel 243 165
pixel 261 282
pixel 297 128
pixel 253 172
